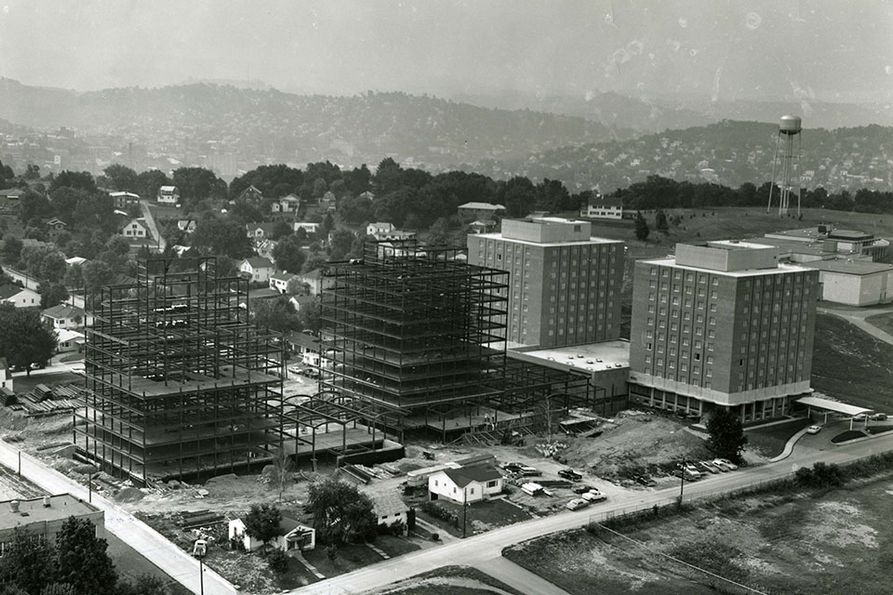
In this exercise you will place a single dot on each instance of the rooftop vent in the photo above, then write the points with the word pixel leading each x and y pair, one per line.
pixel 14 505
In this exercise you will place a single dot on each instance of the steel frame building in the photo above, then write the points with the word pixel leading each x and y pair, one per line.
pixel 413 334
pixel 179 382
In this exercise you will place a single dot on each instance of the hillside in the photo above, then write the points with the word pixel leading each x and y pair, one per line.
pixel 728 152
pixel 238 128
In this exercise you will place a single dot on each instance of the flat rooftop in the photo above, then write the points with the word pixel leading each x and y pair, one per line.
pixel 591 240
pixel 850 267
pixel 590 357
pixel 737 245
pixel 61 506
pixel 781 269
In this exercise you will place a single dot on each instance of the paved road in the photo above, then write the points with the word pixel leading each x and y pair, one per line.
pixel 481 550
pixel 164 554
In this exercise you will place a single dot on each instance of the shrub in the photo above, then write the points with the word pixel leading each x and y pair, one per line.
pixel 278 561
pixel 821 475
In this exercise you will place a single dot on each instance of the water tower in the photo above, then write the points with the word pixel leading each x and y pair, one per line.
pixel 786 167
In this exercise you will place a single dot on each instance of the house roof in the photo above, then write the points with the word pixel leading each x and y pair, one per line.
pixel 303 339
pixel 606 201
pixel 282 276
pixel 168 189
pixel 267 227
pixel 314 274
pixel 12 193
pixel 482 206
pixel 3 363
pixel 258 262
pixel 75 260
pixel 7 290
pixel 387 503
pixel 63 311
pixel 475 473
pixel 66 335
pixel 128 194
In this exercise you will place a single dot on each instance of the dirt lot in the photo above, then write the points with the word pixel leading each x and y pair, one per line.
pixel 788 543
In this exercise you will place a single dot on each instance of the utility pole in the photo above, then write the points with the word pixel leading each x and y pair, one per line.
pixel 682 477
pixel 464 510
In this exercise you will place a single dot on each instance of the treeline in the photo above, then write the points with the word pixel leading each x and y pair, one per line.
pixel 663 193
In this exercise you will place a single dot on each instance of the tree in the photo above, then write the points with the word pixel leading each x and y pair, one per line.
pixel 25 339
pixel 282 471
pixel 96 274
pixel 144 585
pixel 148 183
pixel 275 314
pixel 642 229
pixel 289 255
pixel 727 437
pixel 32 172
pixel 341 513
pixel 198 183
pixel 281 229
pixel 12 249
pixel 222 237
pixel 27 562
pixel 262 522
pixel 342 241
pixel 52 294
pixel 121 177
pixel 60 589
pixel 82 558
pixel 82 180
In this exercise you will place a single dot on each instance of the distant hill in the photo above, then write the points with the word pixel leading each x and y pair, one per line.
pixel 255 126
pixel 728 152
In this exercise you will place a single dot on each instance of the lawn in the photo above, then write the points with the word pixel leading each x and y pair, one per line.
pixel 770 441
pixel 882 321
pixel 449 580
pixel 131 564
pixel 482 516
pixel 851 365
pixel 823 542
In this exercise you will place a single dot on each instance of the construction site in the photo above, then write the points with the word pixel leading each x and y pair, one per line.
pixel 414 339
pixel 179 383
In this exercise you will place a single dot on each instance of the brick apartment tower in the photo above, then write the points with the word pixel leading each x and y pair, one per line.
pixel 722 324
pixel 564 285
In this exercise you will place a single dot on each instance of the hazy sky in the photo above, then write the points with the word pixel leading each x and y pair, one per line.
pixel 826 50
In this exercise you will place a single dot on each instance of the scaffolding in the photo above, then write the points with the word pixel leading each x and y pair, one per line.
pixel 408 328
pixel 179 383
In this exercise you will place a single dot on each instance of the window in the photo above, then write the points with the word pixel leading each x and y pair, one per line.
pixel 491 484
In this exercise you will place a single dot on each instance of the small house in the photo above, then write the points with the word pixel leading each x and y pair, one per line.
pixel 294 536
pixel 308 227
pixel 251 194
pixel 259 231
pixel 124 200
pixel 279 281
pixel 65 316
pixel 466 484
pixel 135 228
pixel 389 509
pixel 286 204
pixel 471 211
pixel 186 226
pixel 68 340
pixel 257 269
pixel 306 347
pixel 168 195
pixel 603 207
pixel 20 297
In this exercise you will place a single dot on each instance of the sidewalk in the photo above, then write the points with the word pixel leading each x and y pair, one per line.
pixel 153 546
pixel 519 578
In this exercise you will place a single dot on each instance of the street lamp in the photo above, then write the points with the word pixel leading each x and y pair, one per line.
pixel 90 478
pixel 199 550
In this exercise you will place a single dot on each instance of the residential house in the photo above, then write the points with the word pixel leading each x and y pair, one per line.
pixel 603 207
pixel 471 211
pixel 293 536
pixel 257 268
pixel 251 194
pixel 313 279
pixel 20 297
pixel 308 227
pixel 328 202
pixel 466 484
pixel 389 509
pixel 259 231
pixel 304 346
pixel 481 226
pixel 12 193
pixel 168 195
pixel 135 228
pixel 125 200
pixel 382 228
pixel 286 204
pixel 69 340
pixel 75 260
pixel 265 248
pixel 43 517
pixel 279 281
pixel 300 302
pixel 5 376
pixel 64 316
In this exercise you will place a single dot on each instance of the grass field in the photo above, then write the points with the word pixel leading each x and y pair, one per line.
pixel 882 321
pixel 851 365
pixel 832 542
pixel 449 580
pixel 770 441
pixel 131 564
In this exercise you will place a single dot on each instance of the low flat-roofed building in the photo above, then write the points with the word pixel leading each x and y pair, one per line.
pixel 606 364
pixel 855 282
pixel 603 207
pixel 44 517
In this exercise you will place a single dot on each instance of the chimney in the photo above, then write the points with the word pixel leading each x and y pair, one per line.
pixel 46 501
pixel 14 505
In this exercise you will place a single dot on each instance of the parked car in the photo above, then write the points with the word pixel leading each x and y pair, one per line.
pixel 570 475
pixel 577 504
pixel 645 481
pixel 582 489
pixel 693 469
pixel 687 473
pixel 860 417
pixel 879 417
pixel 732 466
pixel 594 496
pixel 813 429
pixel 708 467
